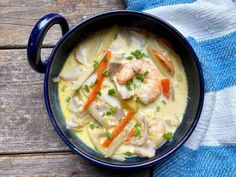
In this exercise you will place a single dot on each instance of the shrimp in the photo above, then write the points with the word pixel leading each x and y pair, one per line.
pixel 156 129
pixel 151 88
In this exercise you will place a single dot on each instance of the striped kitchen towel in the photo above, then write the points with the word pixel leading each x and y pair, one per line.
pixel 210 27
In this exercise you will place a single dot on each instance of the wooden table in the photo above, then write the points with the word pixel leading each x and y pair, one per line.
pixel 29 145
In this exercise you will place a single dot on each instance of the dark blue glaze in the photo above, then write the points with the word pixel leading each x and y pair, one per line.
pixel 37 36
pixel 134 19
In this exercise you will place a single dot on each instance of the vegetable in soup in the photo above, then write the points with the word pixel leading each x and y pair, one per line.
pixel 123 92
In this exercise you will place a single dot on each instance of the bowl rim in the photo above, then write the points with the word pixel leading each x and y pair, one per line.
pixel 108 164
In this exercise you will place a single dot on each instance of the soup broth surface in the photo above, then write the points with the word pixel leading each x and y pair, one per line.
pixel 123 92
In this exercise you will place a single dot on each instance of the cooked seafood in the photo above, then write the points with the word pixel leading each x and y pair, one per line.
pixel 123 92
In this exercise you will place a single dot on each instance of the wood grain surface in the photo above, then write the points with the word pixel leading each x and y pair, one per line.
pixel 58 164
pixel 17 17
pixel 29 146
pixel 25 126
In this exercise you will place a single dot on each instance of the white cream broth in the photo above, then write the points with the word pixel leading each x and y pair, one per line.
pixel 155 116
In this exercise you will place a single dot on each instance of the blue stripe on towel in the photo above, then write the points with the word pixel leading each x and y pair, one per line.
pixel 217 161
pixel 218 61
pixel 148 4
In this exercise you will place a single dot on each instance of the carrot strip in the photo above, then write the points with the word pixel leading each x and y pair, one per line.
pixel 165 60
pixel 165 83
pixel 118 129
pixel 102 67
pixel 129 136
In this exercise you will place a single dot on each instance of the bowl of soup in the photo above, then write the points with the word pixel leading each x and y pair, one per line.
pixel 123 89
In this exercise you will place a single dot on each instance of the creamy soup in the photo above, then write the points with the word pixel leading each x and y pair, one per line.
pixel 123 92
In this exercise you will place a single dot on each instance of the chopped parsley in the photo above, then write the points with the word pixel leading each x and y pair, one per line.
pixel 105 73
pixel 68 99
pixel 163 102
pixel 137 132
pixel 109 135
pixel 168 136
pixel 141 76
pixel 111 111
pixel 93 126
pixel 146 73
pixel 99 93
pixel 111 91
pixel 158 108
pixel 63 88
pixel 128 85
pixel 137 124
pixel 108 113
pixel 129 57
pixel 91 85
pixel 137 54
pixel 86 88
pixel 95 65
pixel 129 153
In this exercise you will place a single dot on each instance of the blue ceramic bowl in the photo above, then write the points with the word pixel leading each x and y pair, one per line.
pixel 52 66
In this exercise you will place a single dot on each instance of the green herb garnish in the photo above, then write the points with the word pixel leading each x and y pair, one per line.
pixel 129 58
pixel 108 113
pixel 163 102
pixel 137 54
pixel 95 65
pixel 146 73
pixel 93 126
pixel 99 93
pixel 68 99
pixel 111 91
pixel 86 88
pixel 168 136
pixel 109 135
pixel 128 85
pixel 111 111
pixel 141 76
pixel 137 132
pixel 63 88
pixel 105 73
pixel 158 108
pixel 137 124
pixel 129 153
pixel 91 85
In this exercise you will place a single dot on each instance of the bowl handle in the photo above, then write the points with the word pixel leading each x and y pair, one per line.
pixel 36 38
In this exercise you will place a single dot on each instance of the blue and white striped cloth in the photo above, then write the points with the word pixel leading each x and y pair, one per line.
pixel 210 27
